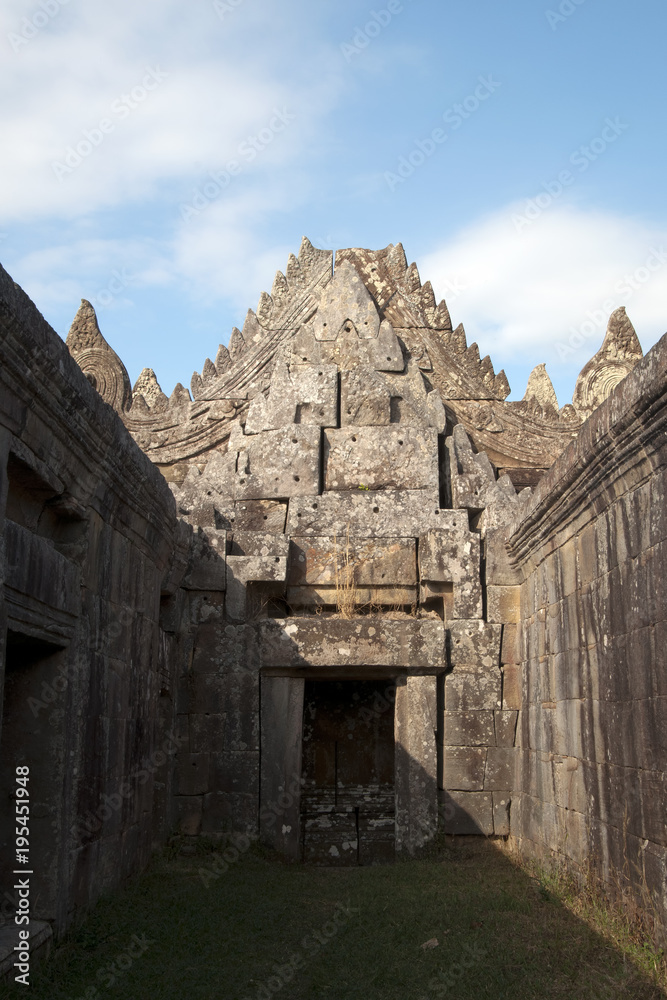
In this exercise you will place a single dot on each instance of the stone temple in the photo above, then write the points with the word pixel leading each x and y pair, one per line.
pixel 338 596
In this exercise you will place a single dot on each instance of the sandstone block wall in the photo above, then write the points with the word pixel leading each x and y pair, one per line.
pixel 89 537
pixel 330 500
pixel 592 552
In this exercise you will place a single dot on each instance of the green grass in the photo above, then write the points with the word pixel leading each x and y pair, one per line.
pixel 501 934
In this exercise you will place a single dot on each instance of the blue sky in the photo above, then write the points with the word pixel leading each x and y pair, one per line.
pixel 541 206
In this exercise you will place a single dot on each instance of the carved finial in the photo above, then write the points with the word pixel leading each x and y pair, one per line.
pixel 148 386
pixel 501 386
pixel 396 261
pixel 442 320
pixel 412 281
pixel 540 389
pixel 458 340
pixel 208 371
pixel 180 396
pixel 265 308
pixel 222 360
pixel 98 362
pixel 618 355
pixel 293 272
pixel 306 248
pixel 196 385
pixel 621 340
pixel 236 345
pixel 279 289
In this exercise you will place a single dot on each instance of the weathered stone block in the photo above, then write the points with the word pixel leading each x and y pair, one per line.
pixel 499 571
pixel 230 812
pixel 415 763
pixel 467 813
pixel 500 769
pixel 469 729
pixel 223 648
pixel 509 652
pixel 472 690
pixel 503 605
pixel 260 515
pixel 42 588
pixel 235 772
pixel 505 728
pixel 305 394
pixel 207 566
pixel 316 394
pixel 449 556
pixel 464 768
pixel 242 570
pixel 398 458
pixel 328 561
pixel 345 300
pixel 314 596
pixel 257 543
pixel 467 603
pixel 281 463
pixel 501 813
pixel 295 642
pixel 193 773
pixel 188 815
pixel 587 562
pixel 281 756
pixel 474 644
pixel 388 512
pixel 365 399
pixel 453 556
pixel 206 731
pixel 385 352
pixel 570 788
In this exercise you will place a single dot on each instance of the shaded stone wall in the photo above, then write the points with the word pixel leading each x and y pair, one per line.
pixel 592 551
pixel 89 541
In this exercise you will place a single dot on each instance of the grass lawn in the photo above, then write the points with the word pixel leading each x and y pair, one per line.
pixel 263 928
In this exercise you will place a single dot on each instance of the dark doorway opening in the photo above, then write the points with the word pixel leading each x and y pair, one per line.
pixel 33 736
pixel 347 798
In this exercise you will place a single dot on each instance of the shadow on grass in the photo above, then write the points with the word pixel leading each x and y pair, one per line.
pixel 189 930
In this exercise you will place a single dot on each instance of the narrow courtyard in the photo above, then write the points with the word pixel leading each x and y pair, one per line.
pixel 238 924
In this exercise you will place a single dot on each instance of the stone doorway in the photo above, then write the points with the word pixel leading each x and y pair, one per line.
pixel 32 735
pixel 348 809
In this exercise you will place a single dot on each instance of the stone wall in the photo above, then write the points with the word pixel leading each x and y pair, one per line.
pixel 343 534
pixel 592 553
pixel 89 550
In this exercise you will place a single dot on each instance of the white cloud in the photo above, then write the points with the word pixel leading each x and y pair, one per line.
pixel 61 275
pixel 214 88
pixel 524 295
